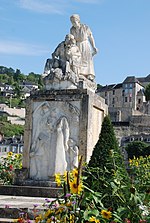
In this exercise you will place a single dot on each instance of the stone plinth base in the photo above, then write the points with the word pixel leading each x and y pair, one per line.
pixel 61 125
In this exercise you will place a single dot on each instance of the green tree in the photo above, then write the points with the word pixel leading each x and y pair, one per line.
pixel 18 76
pixel 40 83
pixel 137 149
pixel 147 92
pixel 9 130
pixel 17 90
pixel 106 169
pixel 32 77
pixel 99 86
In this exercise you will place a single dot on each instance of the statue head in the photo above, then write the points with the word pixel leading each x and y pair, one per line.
pixel 44 108
pixel 69 39
pixel 75 20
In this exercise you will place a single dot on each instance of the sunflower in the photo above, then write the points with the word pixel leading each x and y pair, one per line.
pixel 93 219
pixel 106 214
pixel 16 155
pixel 75 173
pixel 58 179
pixel 75 189
pixel 9 153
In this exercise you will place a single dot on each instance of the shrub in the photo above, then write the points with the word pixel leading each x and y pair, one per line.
pixel 137 149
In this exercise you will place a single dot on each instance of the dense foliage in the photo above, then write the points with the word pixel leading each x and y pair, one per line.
pixel 9 130
pixel 81 204
pixel 12 77
pixel 140 173
pixel 137 149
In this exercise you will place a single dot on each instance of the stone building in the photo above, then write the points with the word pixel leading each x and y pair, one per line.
pixel 128 109
pixel 126 100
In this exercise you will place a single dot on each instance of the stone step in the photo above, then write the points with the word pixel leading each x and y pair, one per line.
pixel 33 191
pixel 5 220
pixel 11 207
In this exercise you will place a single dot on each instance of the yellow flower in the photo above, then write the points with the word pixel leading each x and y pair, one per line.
pixel 137 164
pixel 72 219
pixel 75 189
pixel 93 219
pixel 47 213
pixel 58 179
pixel 106 214
pixel 38 218
pixel 75 173
pixel 9 153
pixel 130 161
pixel 49 220
pixel 17 155
pixel 65 176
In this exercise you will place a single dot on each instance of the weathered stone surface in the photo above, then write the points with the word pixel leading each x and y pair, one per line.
pixel 72 60
pixel 33 191
pixel 65 123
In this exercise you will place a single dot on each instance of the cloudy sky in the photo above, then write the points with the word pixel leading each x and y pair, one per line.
pixel 30 30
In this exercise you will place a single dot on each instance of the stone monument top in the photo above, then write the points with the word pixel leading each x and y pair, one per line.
pixel 71 65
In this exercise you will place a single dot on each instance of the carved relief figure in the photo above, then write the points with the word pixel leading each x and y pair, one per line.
pixel 85 42
pixel 40 158
pixel 39 153
pixel 62 129
pixel 52 150
pixel 72 155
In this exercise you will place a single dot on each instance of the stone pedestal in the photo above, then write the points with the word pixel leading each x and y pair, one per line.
pixel 57 122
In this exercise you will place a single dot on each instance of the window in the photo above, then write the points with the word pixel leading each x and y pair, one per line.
pixel 130 90
pixel 106 101
pixel 113 92
pixel 113 101
pixel 139 101
pixel 130 99
pixel 126 99
pixel 105 93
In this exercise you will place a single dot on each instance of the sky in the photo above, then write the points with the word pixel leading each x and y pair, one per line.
pixel 30 30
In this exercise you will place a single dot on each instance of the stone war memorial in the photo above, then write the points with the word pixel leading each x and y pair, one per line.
pixel 64 119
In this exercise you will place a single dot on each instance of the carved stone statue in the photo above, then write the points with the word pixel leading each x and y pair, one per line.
pixel 71 65
pixel 85 41
pixel 66 59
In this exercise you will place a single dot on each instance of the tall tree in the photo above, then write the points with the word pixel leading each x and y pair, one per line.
pixel 147 92
pixel 105 163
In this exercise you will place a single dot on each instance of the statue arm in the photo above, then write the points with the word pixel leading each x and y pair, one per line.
pixel 92 42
